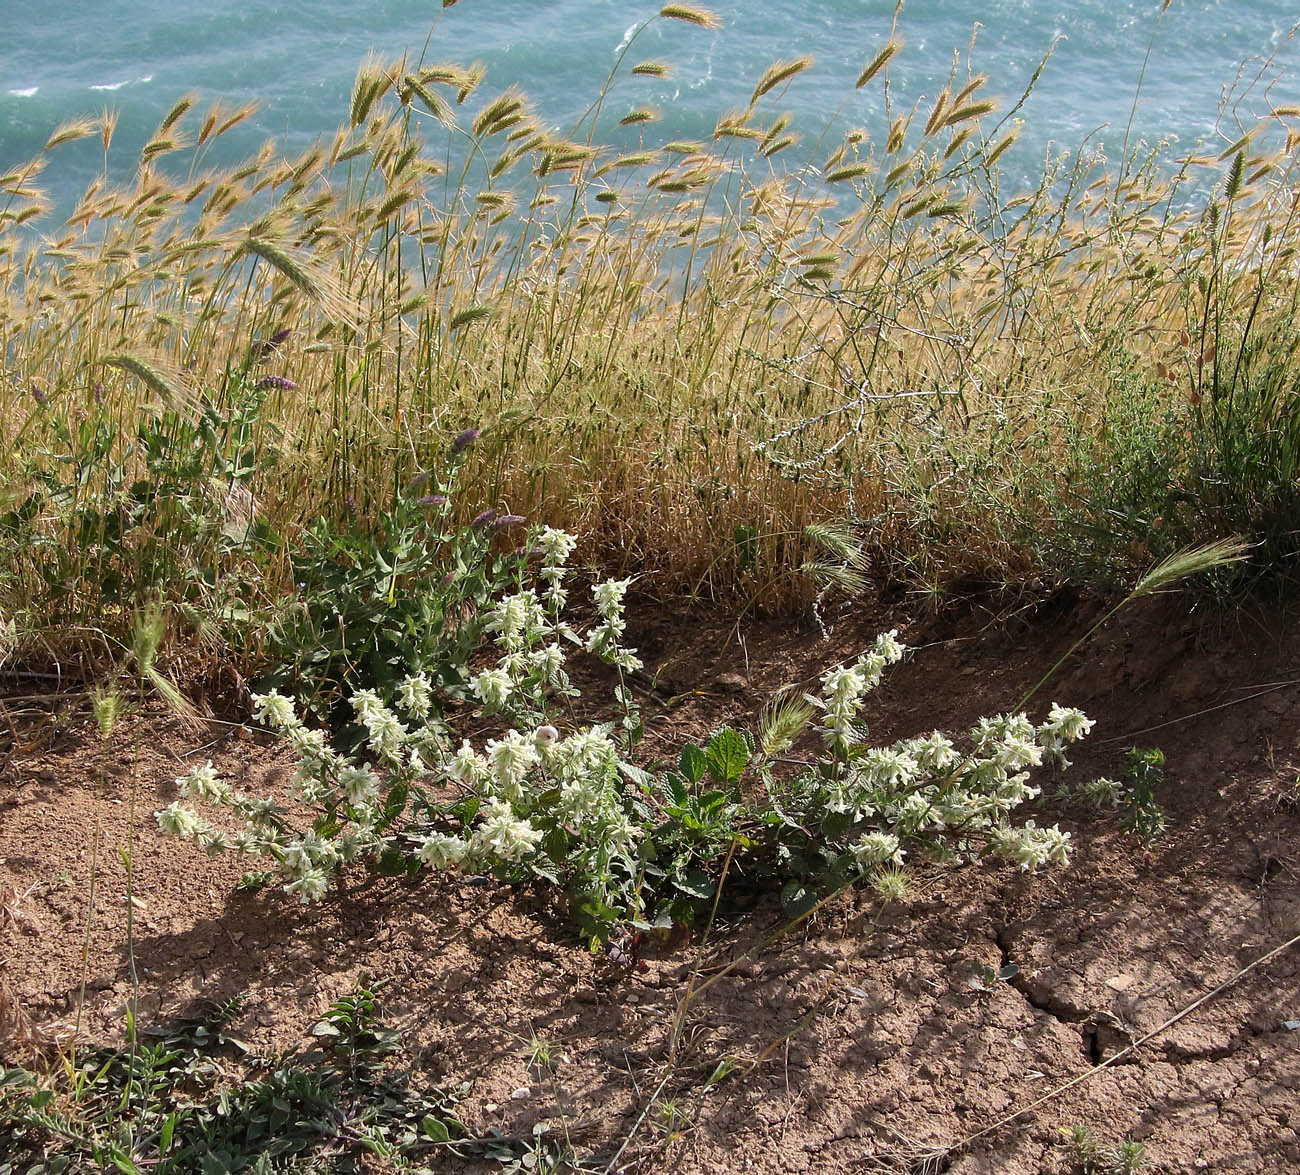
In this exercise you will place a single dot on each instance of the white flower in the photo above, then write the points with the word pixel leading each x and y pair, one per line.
pixel 503 834
pixel 466 767
pixel 608 595
pixel 875 848
pixel 415 695
pixel 359 784
pixel 492 687
pixel 516 619
pixel 1031 846
pixel 888 647
pixel 547 661
pixel 510 758
pixel 556 547
pixel 1066 723
pixel 889 766
pixel 440 851
pixel 215 843
pixel 310 886
pixel 178 820
pixel 204 783
pixel 1013 753
pixel 274 710
pixel 935 752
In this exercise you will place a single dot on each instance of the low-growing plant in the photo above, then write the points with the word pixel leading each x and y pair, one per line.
pixel 1093 1157
pixel 1144 771
pixel 195 1100
pixel 630 846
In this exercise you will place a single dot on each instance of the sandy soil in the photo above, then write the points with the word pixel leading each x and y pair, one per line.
pixel 861 1043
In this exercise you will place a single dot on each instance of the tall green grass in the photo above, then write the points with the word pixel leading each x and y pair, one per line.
pixel 686 352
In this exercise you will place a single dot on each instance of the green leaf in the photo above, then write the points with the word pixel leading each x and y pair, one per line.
pixel 392 863
pixel 693 763
pixel 435 1129
pixel 696 884
pixel 797 899
pixel 727 755
pixel 395 802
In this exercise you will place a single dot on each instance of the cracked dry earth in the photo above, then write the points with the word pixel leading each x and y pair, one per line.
pixel 862 1042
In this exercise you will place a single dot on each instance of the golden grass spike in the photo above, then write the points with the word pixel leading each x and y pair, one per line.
pixel 652 69
pixel 935 121
pixel 1240 145
pixel 158 376
pixel 969 88
pixel 852 171
pixel 642 114
pixel 1236 173
pixel 372 79
pixel 877 63
pixel 974 110
pixel 997 151
pixel 176 113
pixel 71 131
pixel 435 103
pixel 783 720
pixel 691 15
pixel 473 76
pixel 469 316
pixel 499 114
pixel 107 125
pixel 778 72
pixel 244 112
pixel 303 275
pixel 1192 561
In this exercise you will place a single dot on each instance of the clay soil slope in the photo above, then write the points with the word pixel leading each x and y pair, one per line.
pixel 863 1041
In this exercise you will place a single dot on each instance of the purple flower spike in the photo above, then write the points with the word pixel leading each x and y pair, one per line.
pixel 464 440
pixel 434 500
pixel 419 481
pixel 39 395
pixel 266 346
pixel 507 520
pixel 276 381
pixel 486 517
pixel 99 393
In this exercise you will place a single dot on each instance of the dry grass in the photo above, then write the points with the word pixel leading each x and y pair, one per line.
pixel 662 344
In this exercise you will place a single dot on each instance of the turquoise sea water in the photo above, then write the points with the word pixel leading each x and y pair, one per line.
pixel 297 60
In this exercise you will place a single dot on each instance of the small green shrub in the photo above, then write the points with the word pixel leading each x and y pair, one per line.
pixel 1144 771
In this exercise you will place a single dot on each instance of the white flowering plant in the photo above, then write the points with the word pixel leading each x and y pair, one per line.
pixel 550 800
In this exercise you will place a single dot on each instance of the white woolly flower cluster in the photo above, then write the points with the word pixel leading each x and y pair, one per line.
pixel 924 790
pixel 502 834
pixel 844 687
pixel 386 734
pixel 555 547
pixel 1030 846
pixel 605 640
